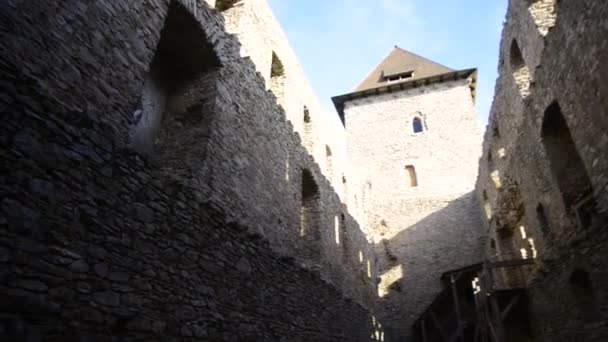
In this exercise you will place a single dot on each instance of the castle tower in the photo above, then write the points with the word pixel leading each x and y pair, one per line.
pixel 414 142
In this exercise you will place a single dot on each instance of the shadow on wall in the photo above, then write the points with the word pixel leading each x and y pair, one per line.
pixel 413 260
pixel 101 214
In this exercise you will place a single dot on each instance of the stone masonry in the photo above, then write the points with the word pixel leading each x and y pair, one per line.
pixel 168 175
pixel 417 188
pixel 543 176
pixel 152 188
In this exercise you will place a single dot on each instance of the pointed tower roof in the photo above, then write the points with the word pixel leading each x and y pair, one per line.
pixel 399 66
pixel 401 70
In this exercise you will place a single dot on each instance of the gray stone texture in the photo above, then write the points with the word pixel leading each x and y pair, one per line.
pixel 423 228
pixel 198 237
pixel 563 45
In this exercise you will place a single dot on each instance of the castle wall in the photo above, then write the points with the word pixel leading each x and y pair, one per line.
pixel 260 34
pixel 98 239
pixel 424 230
pixel 562 44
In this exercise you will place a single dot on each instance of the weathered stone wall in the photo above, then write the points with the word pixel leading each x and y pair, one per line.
pixel 563 45
pixel 424 230
pixel 99 240
pixel 253 22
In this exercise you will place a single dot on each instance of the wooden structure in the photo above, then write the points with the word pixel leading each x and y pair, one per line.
pixel 485 302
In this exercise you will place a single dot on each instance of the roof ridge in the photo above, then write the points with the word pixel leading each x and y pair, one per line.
pixel 422 57
pixel 397 59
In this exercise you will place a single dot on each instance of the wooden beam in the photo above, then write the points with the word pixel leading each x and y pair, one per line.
pixel 423 326
pixel 499 331
pixel 456 308
pixel 510 263
pixel 438 325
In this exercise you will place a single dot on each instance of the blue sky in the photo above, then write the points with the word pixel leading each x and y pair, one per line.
pixel 339 41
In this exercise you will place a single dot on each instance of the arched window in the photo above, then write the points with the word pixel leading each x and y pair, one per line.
pixel 566 164
pixel 521 72
pixel 276 67
pixel 417 125
pixel 310 218
pixel 168 108
pixel 412 178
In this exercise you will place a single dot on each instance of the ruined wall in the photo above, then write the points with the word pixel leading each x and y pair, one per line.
pixel 253 22
pixel 422 227
pixel 109 241
pixel 522 180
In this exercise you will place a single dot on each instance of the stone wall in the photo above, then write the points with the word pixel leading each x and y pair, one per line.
pixel 199 236
pixel 563 45
pixel 261 36
pixel 417 189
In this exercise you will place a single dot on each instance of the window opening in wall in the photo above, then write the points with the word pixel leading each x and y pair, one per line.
pixel 412 178
pixel 567 166
pixel 584 295
pixel 532 248
pixel 493 251
pixel 222 5
pixel 417 125
pixel 329 162
pixel 276 68
pixel 307 133
pixel 337 229
pixel 580 279
pixel 488 209
pixel 485 195
pixel 310 209
pixel 521 72
pixel 306 115
pixel 344 235
pixel 167 111
pixel 542 219
pixel 502 152
pixel 495 130
pixel 287 169
pixel 522 231
pixel 544 14
pixel 490 157
pixel 399 76
pixel 495 176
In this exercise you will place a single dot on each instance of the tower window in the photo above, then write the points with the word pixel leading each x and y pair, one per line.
pixel 412 178
pixel 417 125
pixel 399 76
